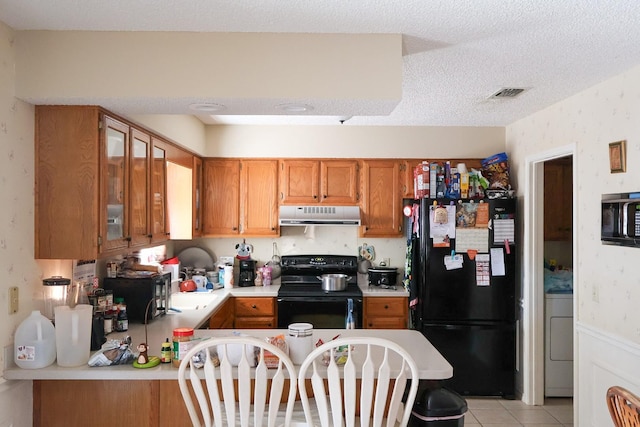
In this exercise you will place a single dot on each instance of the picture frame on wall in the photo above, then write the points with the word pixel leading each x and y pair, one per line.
pixel 618 156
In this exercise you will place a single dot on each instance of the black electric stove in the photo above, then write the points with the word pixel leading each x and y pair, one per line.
pixel 300 275
pixel 301 298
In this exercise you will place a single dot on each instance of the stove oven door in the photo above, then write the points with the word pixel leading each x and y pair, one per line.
pixel 323 312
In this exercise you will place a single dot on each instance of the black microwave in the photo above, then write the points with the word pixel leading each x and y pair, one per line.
pixel 620 214
pixel 142 294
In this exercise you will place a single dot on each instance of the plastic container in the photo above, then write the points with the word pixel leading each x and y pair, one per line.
pixel 181 344
pixel 437 406
pixel 228 276
pixel 73 334
pixel 56 292
pixel 35 342
pixel 300 341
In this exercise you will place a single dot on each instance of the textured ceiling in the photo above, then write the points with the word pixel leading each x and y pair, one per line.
pixel 456 53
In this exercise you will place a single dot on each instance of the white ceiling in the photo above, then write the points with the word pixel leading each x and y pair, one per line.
pixel 457 53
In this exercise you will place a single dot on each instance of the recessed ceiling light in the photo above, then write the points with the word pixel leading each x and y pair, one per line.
pixel 206 106
pixel 294 108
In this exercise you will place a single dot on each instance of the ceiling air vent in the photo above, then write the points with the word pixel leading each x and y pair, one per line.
pixel 507 92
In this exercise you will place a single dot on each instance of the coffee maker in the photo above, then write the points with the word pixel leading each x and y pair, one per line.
pixel 247 274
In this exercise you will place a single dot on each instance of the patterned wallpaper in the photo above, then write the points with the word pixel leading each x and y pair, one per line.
pixel 607 112
pixel 17 266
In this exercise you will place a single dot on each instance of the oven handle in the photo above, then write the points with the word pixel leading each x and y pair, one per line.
pixel 318 299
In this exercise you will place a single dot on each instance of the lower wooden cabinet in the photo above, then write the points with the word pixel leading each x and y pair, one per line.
pixel 98 403
pixel 385 313
pixel 223 317
pixel 255 313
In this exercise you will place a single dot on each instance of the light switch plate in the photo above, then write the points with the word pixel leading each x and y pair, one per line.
pixel 13 300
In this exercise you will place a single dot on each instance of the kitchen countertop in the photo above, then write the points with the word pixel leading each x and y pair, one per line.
pixel 160 329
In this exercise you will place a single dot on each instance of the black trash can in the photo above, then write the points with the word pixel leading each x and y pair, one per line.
pixel 436 406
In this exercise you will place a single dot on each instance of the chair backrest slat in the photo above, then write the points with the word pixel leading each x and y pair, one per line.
pixel 350 388
pixel 260 397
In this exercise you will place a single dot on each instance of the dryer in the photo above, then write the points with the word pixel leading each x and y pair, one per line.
pixel 558 365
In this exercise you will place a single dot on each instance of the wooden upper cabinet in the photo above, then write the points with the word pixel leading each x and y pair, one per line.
pixel 259 197
pixel 558 199
pixel 159 223
pixel 307 182
pixel 114 208
pixel 221 198
pixel 100 183
pixel 381 203
pixel 299 182
pixel 339 182
pixel 139 232
pixel 406 177
pixel 196 221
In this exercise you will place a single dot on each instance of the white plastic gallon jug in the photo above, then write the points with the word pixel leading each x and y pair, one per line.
pixel 73 334
pixel 35 342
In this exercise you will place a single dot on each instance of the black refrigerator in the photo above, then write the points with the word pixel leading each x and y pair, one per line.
pixel 467 312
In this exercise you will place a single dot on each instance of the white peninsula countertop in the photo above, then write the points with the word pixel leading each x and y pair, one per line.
pixel 431 364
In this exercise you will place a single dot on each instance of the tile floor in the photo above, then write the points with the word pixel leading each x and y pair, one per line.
pixel 495 412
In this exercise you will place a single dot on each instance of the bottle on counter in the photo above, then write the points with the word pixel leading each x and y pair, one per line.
pixel 122 324
pixel 165 352
pixel 108 321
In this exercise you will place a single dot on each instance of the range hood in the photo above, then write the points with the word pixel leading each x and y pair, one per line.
pixel 319 215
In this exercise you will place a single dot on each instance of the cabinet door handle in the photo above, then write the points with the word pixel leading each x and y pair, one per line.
pixel 324 196
pixel 234 228
pixel 386 307
pixel 315 196
pixel 253 306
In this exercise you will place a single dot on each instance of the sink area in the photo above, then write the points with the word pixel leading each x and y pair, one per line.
pixel 191 300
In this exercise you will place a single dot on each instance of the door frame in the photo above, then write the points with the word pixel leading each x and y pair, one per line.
pixel 533 275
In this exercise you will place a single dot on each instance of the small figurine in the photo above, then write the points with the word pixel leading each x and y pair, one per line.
pixel 244 250
pixel 143 358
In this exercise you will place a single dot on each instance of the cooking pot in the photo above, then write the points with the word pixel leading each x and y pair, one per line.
pixel 334 282
pixel 188 286
pixel 383 276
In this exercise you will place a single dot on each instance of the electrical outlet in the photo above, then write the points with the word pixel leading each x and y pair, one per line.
pixel 13 300
pixel 385 262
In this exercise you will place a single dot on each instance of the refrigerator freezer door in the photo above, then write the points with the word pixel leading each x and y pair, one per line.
pixel 482 356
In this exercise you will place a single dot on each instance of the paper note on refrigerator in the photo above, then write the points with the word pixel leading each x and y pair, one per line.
pixel 497 262
pixel 453 262
pixel 503 229
pixel 483 275
pixel 472 238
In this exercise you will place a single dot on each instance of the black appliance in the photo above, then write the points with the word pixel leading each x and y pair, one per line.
pixel 301 298
pixel 620 215
pixel 138 292
pixel 247 274
pixel 468 313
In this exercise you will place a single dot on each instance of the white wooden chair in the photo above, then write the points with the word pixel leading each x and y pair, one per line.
pixel 225 408
pixel 377 362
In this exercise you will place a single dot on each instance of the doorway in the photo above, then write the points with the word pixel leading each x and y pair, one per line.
pixel 558 277
pixel 533 295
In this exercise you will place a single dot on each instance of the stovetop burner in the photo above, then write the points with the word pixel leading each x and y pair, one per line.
pixel 301 275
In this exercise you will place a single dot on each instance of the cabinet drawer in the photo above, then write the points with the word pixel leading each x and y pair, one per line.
pixel 386 307
pixel 386 323
pixel 248 307
pixel 255 322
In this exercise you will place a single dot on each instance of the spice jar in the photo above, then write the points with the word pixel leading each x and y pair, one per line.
pixel 181 344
